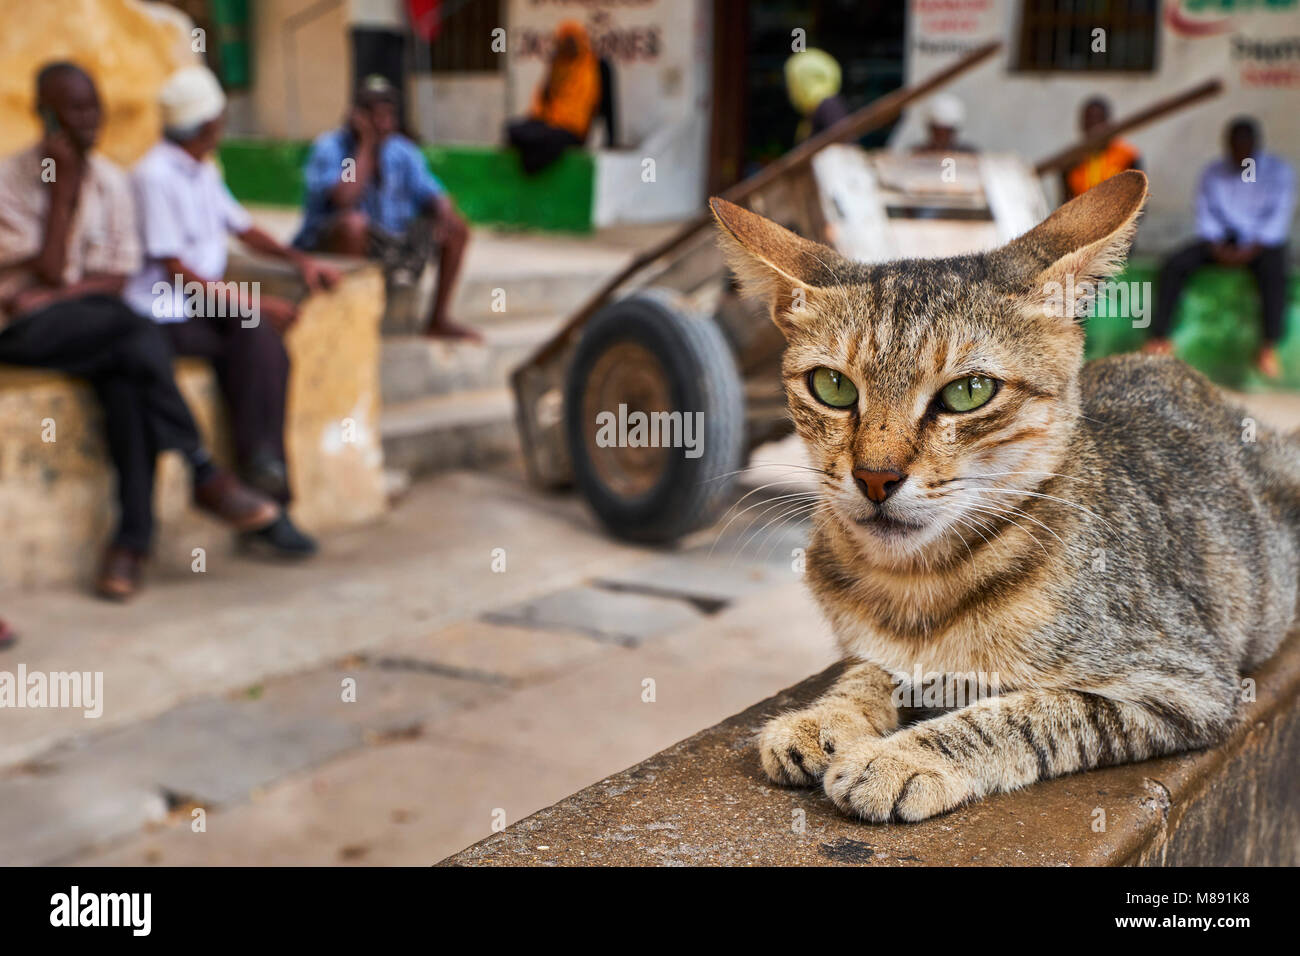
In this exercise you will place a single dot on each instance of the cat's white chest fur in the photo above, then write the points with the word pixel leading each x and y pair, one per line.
pixel 963 648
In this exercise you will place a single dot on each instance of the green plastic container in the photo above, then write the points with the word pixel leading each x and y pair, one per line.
pixel 490 187
pixel 1216 328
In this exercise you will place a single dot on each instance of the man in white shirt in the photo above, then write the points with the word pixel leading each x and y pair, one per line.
pixel 185 215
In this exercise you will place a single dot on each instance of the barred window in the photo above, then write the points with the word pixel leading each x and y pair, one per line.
pixel 1090 35
pixel 464 43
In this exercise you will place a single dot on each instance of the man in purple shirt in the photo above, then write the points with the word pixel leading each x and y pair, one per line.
pixel 1243 216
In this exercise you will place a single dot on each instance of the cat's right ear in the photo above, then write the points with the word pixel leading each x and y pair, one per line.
pixel 772 262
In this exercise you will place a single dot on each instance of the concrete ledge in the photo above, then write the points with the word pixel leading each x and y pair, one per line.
pixel 706 802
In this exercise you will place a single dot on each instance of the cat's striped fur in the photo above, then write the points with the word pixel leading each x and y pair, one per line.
pixel 1113 543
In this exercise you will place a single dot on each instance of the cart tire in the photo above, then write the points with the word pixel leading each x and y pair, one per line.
pixel 647 346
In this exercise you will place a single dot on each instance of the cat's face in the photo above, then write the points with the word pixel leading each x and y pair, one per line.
pixel 924 394
pixel 934 395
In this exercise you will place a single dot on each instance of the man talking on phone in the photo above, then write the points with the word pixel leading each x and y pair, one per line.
pixel 68 241
pixel 371 194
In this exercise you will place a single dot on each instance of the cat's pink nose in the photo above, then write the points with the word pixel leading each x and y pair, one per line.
pixel 878 485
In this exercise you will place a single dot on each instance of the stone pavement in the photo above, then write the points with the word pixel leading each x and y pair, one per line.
pixel 480 695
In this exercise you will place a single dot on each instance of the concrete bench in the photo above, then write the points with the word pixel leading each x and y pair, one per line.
pixel 705 801
pixel 56 498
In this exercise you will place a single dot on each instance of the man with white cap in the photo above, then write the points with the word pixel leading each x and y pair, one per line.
pixel 185 215
pixel 944 118
pixel 67 244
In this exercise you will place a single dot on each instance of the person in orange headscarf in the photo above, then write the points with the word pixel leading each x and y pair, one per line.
pixel 563 105
pixel 1114 157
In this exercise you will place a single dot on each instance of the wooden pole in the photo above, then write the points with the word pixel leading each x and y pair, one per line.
pixel 879 112
pixel 1094 141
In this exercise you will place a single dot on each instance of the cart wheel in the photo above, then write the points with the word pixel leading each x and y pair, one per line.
pixel 641 355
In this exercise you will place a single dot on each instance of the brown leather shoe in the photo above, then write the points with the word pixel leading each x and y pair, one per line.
pixel 227 499
pixel 119 575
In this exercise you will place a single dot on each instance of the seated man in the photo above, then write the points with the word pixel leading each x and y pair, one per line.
pixel 1114 157
pixel 369 193
pixel 943 121
pixel 1243 216
pixel 184 213
pixel 67 243
pixel 564 103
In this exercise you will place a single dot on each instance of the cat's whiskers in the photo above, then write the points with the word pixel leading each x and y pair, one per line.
pixel 1037 494
pixel 770 504
pixel 954 516
pixel 1002 516
pixel 997 513
pixel 793 466
pixel 741 500
pixel 1005 509
pixel 1004 474
pixel 788 513
pixel 797 514
pixel 1011 520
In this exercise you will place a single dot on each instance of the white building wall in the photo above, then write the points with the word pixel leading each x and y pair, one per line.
pixel 1255 49
pixel 661 59
pixel 464 108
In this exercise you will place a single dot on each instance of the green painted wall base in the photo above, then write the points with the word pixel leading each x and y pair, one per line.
pixel 490 187
pixel 487 183
pixel 1216 326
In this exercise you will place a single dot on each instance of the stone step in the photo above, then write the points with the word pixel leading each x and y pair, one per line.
pixel 512 284
pixel 440 432
pixel 492 298
pixel 505 275
pixel 413 366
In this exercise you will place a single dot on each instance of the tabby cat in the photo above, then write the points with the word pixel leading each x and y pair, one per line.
pixel 1113 543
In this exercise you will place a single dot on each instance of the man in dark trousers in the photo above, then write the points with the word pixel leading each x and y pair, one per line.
pixel 1243 216
pixel 67 243
pixel 186 215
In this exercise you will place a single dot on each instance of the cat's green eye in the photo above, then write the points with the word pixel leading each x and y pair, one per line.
pixel 832 387
pixel 967 394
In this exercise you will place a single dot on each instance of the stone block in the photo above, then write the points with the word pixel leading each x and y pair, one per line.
pixel 616 617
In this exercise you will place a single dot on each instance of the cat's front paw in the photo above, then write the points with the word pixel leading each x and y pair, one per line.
pixel 796 748
pixel 894 778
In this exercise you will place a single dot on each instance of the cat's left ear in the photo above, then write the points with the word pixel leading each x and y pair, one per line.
pixel 775 264
pixel 1079 245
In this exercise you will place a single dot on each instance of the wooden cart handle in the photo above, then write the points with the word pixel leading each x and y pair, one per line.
pixel 1094 141
pixel 879 112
